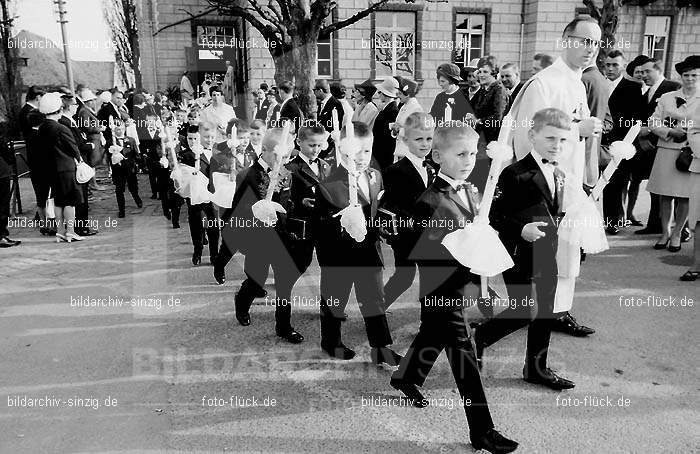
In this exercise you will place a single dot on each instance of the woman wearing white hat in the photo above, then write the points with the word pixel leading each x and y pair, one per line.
pixel 384 142
pixel 59 147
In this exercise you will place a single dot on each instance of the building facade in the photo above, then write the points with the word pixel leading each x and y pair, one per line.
pixel 400 39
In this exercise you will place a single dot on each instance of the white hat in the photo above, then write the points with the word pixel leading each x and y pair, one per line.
pixel 473 63
pixel 389 87
pixel 86 95
pixel 50 103
pixel 105 96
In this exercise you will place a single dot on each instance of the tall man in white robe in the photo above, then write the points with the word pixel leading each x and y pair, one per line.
pixel 560 86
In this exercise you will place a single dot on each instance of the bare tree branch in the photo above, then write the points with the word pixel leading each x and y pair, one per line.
pixel 190 19
pixel 326 31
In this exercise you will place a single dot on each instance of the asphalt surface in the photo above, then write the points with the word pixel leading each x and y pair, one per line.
pixel 172 371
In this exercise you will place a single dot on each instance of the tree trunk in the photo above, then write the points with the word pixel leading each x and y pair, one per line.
pixel 136 62
pixel 296 62
pixel 10 78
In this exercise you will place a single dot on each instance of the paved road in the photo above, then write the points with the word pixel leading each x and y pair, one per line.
pixel 180 374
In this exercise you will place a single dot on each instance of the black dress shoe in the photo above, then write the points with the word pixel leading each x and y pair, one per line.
pixel 292 337
pixel 86 232
pixel 243 319
pixel 6 242
pixel 139 203
pixel 121 215
pixel 660 246
pixel 196 259
pixel 612 230
pixel 648 231
pixel 494 442
pixel 549 379
pixel 385 355
pixel 176 225
pixel 568 324
pixel 339 351
pixel 635 223
pixel 45 231
pixel 219 275
pixel 411 392
pixel 685 235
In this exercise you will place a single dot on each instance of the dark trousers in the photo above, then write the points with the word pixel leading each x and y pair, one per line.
pixel 175 202
pixel 288 259
pixel 154 169
pixel 4 206
pixel 162 177
pixel 614 195
pixel 202 217
pixel 446 330
pixel 404 274
pixel 336 283
pixel 654 221
pixel 123 179
pixel 81 210
pixel 519 314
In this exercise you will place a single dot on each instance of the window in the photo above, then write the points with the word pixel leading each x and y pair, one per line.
pixel 656 34
pixel 469 37
pixel 213 39
pixel 394 43
pixel 324 58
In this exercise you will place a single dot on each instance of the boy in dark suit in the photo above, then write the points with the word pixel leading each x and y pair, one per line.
pixel 263 245
pixel 445 286
pixel 200 140
pixel 404 182
pixel 123 154
pixel 345 262
pixel 526 215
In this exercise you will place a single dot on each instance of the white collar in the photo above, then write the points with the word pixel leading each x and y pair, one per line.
pixel 656 85
pixel 416 161
pixel 454 183
pixel 266 167
pixel 538 159
pixel 560 64
pixel 33 104
pixel 305 159
pixel 450 93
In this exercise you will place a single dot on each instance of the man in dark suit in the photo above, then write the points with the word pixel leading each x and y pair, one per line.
pixel 626 105
pixel 7 160
pixel 87 121
pixel 112 111
pixel 85 148
pixel 384 143
pixel 151 147
pixel 658 85
pixel 29 120
pixel 346 262
pixel 510 78
pixel 261 103
pixel 526 215
pixel 200 141
pixel 446 287
pixel 290 109
pixel 326 104
pixel 123 155
pixel 404 182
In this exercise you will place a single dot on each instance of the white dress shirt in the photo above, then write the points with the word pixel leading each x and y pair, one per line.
pixel 314 166
pixel 547 170
pixel 462 193
pixel 653 88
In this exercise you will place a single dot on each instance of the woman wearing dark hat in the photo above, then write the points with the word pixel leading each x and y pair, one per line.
pixel 693 272
pixel 62 152
pixel 408 89
pixel 450 104
pixel 365 111
pixel 670 122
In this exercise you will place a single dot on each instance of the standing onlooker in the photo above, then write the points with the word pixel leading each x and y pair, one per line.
pixel 597 94
pixel 365 109
pixel 289 109
pixel 339 92
pixel 652 73
pixel 408 89
pixel 86 117
pixel 29 120
pixel 492 105
pixel 218 113
pixel 61 152
pixel 384 143
pixel 540 62
pixel 614 68
pixel 260 103
pixel 510 78
pixel 273 108
pixel 228 85
pixel 450 104
pixel 471 86
pixel 186 89
pixel 7 158
pixel 694 214
pixel 670 123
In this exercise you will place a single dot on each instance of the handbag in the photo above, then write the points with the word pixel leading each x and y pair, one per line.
pixel 50 212
pixel 685 157
pixel 83 172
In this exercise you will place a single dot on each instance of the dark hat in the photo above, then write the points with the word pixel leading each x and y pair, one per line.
pixel 690 63
pixel 449 71
pixel 639 60
pixel 65 92
pixel 366 87
pixel 408 86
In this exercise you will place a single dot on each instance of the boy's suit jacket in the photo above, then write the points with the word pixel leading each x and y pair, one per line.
pixel 523 196
pixel 335 246
pixel 151 146
pixel 305 184
pixel 403 186
pixel 130 151
pixel 439 211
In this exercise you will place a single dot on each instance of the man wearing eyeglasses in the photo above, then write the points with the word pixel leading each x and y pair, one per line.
pixel 559 86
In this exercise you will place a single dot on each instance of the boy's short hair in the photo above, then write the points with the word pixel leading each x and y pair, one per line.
pixel 445 136
pixel 193 113
pixel 272 138
pixel 206 126
pixel 215 88
pixel 311 128
pixel 193 129
pixel 362 131
pixel 241 126
pixel 258 125
pixel 550 117
pixel 419 120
